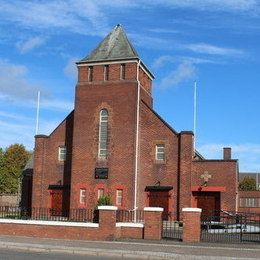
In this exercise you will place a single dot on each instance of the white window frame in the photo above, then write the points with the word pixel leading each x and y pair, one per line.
pixel 101 193
pixel 249 202
pixel 160 150
pixel 102 144
pixel 82 196
pixel 119 197
pixel 62 153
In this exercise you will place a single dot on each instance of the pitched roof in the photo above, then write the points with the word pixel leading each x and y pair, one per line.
pixel 29 164
pixel 115 46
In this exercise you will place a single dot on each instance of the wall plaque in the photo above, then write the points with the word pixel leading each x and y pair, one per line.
pixel 101 173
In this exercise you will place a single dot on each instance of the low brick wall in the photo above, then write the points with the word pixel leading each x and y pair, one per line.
pixel 249 210
pixel 191 224
pixel 106 229
pixel 131 230
pixel 247 195
pixel 51 231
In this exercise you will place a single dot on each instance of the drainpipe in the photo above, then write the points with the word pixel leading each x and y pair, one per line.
pixel 137 139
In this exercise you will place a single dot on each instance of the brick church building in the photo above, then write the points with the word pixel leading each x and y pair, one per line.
pixel 113 142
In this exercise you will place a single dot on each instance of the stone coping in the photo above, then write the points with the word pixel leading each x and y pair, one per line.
pixel 191 210
pixel 156 209
pixel 49 223
pixel 107 208
pixel 129 224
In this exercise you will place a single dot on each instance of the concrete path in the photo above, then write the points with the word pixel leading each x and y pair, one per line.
pixel 136 249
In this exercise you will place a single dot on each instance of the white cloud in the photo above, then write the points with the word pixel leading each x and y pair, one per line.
pixel 160 61
pixel 162 30
pixel 13 81
pixel 23 132
pixel 91 17
pixel 56 104
pixel 71 69
pixel 16 133
pixel 13 116
pixel 30 44
pixel 15 86
pixel 248 154
pixel 183 72
pixel 166 59
pixel 213 50
pixel 84 17
pixel 210 5
pixel 151 42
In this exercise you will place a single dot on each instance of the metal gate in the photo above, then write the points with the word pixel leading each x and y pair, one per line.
pixel 172 230
pixel 231 227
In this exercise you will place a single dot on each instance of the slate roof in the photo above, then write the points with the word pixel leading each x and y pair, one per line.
pixel 29 164
pixel 115 46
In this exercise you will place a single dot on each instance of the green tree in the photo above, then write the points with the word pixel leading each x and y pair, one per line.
pixel 104 200
pixel 2 182
pixel 12 162
pixel 247 184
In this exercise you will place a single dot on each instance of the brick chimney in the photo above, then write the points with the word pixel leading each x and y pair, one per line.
pixel 226 153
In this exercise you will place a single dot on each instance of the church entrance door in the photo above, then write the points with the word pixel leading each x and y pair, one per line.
pixel 209 202
pixel 56 202
pixel 160 199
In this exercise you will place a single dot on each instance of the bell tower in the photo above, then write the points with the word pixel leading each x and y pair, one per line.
pixel 112 80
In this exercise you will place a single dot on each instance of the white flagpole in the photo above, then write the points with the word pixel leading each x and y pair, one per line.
pixel 37 115
pixel 195 114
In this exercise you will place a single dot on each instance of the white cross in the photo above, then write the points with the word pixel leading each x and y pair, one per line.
pixel 205 176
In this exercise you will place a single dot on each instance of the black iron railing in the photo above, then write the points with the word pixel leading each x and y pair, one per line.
pixel 228 226
pixel 51 214
pixel 172 229
pixel 123 215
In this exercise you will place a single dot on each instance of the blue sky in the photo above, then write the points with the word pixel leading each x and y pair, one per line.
pixel 215 42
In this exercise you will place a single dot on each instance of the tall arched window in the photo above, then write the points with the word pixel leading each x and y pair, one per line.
pixel 103 125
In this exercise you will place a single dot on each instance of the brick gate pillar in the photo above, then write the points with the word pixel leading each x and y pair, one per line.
pixel 107 222
pixel 153 223
pixel 191 224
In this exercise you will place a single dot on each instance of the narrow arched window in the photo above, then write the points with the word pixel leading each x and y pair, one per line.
pixel 103 125
pixel 106 72
pixel 122 71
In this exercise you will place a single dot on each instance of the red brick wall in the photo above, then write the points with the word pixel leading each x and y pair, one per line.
pixel 47 168
pixel 146 97
pixel 80 130
pixel 119 98
pixel 145 81
pixel 131 232
pixel 63 232
pixel 113 74
pixel 185 164
pixel 153 131
pixel 59 232
pixel 153 225
pixel 191 226
pixel 223 178
pixel 106 230
pixel 248 194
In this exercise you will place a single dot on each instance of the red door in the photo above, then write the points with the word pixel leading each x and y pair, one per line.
pixel 209 202
pixel 56 202
pixel 160 199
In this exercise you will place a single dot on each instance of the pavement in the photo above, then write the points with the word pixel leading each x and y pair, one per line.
pixel 136 249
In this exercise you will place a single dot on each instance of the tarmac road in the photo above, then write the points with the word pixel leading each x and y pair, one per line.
pixel 24 255
pixel 134 249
